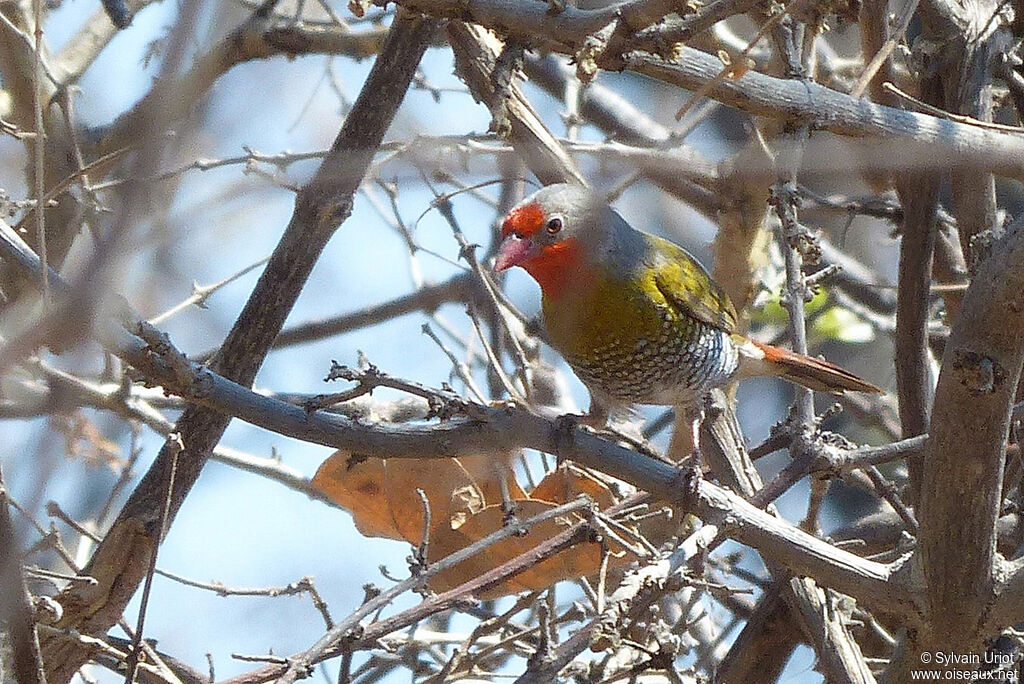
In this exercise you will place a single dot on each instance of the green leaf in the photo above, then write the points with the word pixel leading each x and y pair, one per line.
pixel 773 313
pixel 842 324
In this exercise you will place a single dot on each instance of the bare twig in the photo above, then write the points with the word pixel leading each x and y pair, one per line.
pixel 39 148
pixel 344 629
pixel 177 446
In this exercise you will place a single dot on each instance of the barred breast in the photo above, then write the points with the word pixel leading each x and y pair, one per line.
pixel 677 365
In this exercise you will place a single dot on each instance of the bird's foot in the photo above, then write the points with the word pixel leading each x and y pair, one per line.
pixel 510 519
pixel 694 463
pixel 566 426
pixel 568 423
pixel 594 421
pixel 691 472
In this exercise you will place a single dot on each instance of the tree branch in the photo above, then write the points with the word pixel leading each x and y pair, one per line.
pixel 120 560
pixel 962 486
pixel 475 57
pixel 925 141
pixel 493 430
pixel 919 194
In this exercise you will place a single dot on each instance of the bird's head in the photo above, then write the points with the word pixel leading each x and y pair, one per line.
pixel 553 234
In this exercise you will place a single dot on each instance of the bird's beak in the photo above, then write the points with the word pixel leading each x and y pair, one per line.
pixel 513 251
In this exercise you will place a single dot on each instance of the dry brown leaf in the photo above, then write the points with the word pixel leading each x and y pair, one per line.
pixel 489 520
pixel 358 487
pixel 566 482
pixel 448 487
pixel 583 560
pixel 382 497
pixel 445 542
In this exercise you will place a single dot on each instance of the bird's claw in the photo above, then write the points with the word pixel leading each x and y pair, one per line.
pixel 694 462
pixel 510 519
pixel 591 420
pixel 566 426
pixel 508 511
pixel 691 473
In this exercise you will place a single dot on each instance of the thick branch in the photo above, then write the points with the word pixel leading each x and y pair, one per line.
pixel 960 496
pixel 838 653
pixel 567 28
pixel 925 141
pixel 972 46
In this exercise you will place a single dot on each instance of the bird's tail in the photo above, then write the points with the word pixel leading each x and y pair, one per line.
pixel 816 374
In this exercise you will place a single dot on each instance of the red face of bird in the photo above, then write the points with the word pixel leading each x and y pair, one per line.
pixel 548 233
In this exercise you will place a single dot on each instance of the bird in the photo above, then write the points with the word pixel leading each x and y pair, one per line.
pixel 636 316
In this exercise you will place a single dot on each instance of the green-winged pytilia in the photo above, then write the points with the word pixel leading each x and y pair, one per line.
pixel 636 317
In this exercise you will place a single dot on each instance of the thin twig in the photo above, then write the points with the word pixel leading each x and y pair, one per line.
pixel 906 15
pixel 942 113
pixel 737 64
pixel 39 145
pixel 165 512
pixel 200 293
pixel 297 665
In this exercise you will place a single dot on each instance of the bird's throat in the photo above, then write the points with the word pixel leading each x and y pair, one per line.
pixel 559 268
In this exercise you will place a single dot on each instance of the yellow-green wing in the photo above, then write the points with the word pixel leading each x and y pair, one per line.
pixel 687 287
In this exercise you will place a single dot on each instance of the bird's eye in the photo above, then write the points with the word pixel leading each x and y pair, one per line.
pixel 554 225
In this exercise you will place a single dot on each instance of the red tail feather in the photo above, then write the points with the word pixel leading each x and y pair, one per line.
pixel 812 373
